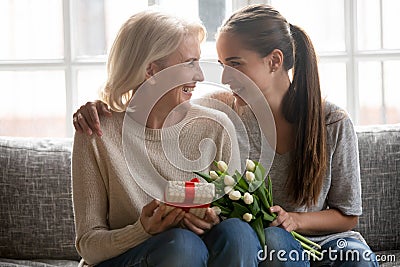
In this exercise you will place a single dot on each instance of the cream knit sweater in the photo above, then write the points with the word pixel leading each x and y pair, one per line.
pixel 106 196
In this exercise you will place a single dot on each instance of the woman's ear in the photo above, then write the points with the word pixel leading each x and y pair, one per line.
pixel 151 69
pixel 275 60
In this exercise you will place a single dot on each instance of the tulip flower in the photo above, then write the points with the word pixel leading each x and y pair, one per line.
pixel 222 166
pixel 250 165
pixel 229 181
pixel 250 177
pixel 247 198
pixel 247 217
pixel 228 189
pixel 214 175
pixel 235 195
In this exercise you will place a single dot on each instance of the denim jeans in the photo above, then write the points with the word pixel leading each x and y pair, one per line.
pixel 175 247
pixel 230 243
pixel 346 252
pixel 281 249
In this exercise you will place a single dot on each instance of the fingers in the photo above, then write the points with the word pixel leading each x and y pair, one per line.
pixel 150 208
pixel 288 226
pixel 283 220
pixel 154 219
pixel 149 222
pixel 276 209
pixel 211 216
pixel 80 121
pixel 83 124
pixel 86 119
pixel 193 227
pixel 173 218
pixel 282 215
pixel 159 213
pixel 196 224
pixel 92 111
pixel 77 127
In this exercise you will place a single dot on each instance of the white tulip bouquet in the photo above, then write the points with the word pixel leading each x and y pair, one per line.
pixel 249 198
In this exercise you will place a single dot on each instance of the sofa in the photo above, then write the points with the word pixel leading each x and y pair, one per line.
pixel 36 216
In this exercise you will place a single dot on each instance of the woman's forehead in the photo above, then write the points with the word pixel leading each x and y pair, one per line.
pixel 228 44
pixel 189 48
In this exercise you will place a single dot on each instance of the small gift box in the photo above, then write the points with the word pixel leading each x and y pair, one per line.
pixel 191 196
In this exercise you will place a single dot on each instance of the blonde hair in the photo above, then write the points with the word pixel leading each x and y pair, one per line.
pixel 146 37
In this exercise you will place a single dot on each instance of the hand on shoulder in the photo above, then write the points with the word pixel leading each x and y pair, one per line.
pixel 86 118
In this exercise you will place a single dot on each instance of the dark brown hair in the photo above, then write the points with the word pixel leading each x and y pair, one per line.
pixel 263 29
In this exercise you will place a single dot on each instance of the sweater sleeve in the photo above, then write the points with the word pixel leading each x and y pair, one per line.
pixel 95 241
pixel 345 191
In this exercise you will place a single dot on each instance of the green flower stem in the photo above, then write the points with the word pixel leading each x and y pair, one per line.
pixel 305 240
pixel 313 255
pixel 310 249
pixel 270 199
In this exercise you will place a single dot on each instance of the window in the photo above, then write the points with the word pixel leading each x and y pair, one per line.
pixel 358 50
pixel 32 69
pixel 53 54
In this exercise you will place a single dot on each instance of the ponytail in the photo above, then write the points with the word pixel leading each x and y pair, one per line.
pixel 303 107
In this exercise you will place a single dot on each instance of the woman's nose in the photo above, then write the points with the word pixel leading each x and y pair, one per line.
pixel 226 75
pixel 198 73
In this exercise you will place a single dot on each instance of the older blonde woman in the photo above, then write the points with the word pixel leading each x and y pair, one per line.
pixel 117 222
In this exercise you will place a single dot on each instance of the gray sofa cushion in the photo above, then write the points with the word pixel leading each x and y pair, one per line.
pixel 37 263
pixel 380 167
pixel 36 218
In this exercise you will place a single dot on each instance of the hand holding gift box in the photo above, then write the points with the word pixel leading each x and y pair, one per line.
pixel 191 196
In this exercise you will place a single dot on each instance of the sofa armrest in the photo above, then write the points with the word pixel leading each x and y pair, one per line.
pixel 36 216
pixel 379 148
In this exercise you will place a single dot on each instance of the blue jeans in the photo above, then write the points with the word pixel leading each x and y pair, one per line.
pixel 346 252
pixel 230 243
pixel 175 247
pixel 345 255
pixel 281 249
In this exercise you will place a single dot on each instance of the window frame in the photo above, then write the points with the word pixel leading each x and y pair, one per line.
pixel 71 64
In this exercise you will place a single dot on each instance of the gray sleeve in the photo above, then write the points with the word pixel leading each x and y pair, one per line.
pixel 345 190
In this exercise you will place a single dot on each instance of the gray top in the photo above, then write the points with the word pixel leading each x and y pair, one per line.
pixel 341 188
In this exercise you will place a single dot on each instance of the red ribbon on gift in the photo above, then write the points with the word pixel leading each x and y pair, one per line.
pixel 189 197
pixel 189 190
